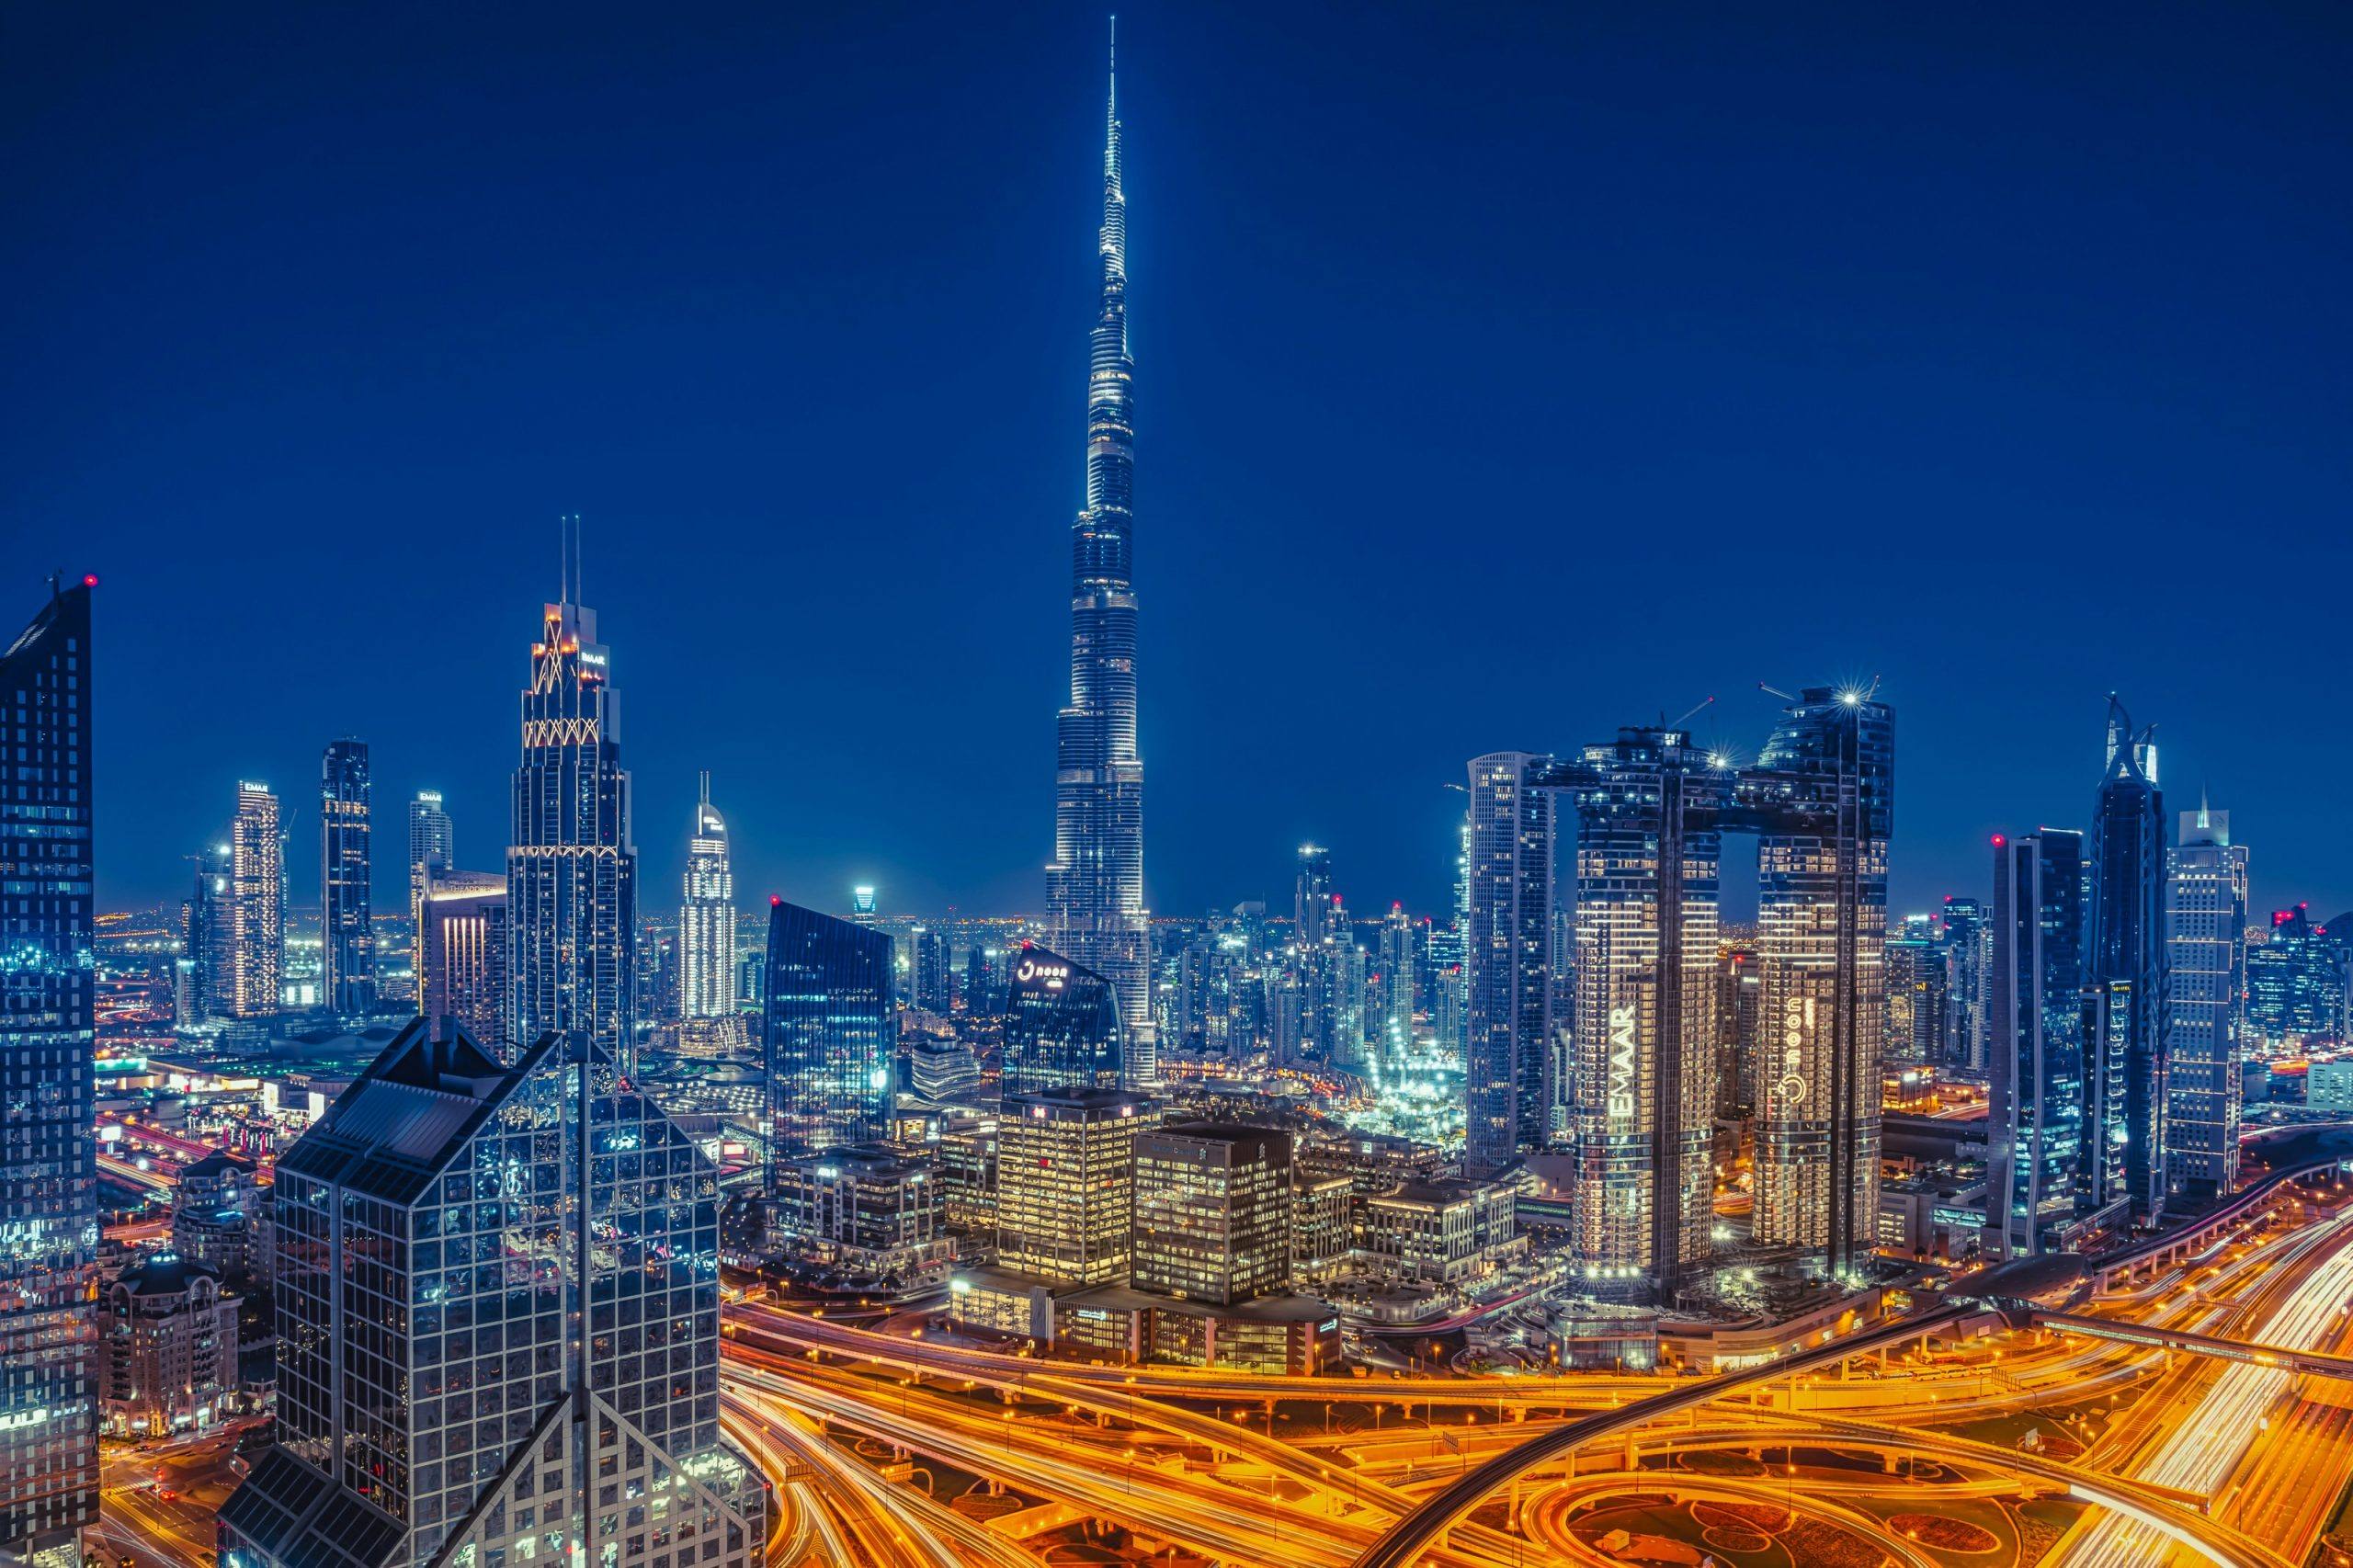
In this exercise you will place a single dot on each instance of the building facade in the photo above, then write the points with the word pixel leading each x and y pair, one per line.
pixel 2206 894
pixel 2033 990
pixel 2124 1002
pixel 707 919
pixel 1095 885
pixel 497 1292
pixel 571 864
pixel 1511 1077
pixel 1213 1212
pixel 432 849
pixel 1066 1183
pixel 49 1180
pixel 256 904
pixel 346 917
pixel 826 1031
pixel 167 1349
pixel 1062 1026
pixel 2296 985
pixel 460 955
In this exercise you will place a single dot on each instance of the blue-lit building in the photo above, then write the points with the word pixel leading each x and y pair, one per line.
pixel 827 1031
pixel 1513 1081
pixel 2206 893
pixel 2124 997
pixel 1062 1027
pixel 2296 983
pixel 2034 1002
pixel 49 1180
pixel 346 928
pixel 1962 927
pixel 498 1298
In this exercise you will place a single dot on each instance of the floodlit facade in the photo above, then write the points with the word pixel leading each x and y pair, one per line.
pixel 1213 1212
pixel 2124 1002
pixel 167 1344
pixel 432 848
pixel 49 1191
pixel 571 865
pixel 256 904
pixel 1511 1078
pixel 346 917
pixel 497 1292
pixel 460 954
pixel 1066 1184
pixel 2033 991
pixel 707 919
pixel 2206 893
pixel 826 1031
pixel 1095 885
pixel 1649 850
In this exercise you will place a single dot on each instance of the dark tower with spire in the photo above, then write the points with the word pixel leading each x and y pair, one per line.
pixel 2124 1001
pixel 1095 886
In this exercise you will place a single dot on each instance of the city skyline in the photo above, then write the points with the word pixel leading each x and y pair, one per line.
pixel 957 591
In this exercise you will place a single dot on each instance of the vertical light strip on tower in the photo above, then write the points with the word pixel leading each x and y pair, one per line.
pixel 1094 887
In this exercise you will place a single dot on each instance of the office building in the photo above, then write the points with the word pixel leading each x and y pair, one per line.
pixel 571 864
pixel 934 980
pixel 1967 950
pixel 461 949
pixel 1213 1212
pixel 1512 1082
pixel 1400 982
pixel 256 904
pixel 432 850
pixel 826 1031
pixel 1095 885
pixel 1062 1027
pixel 204 977
pixel 1822 799
pixel 346 915
pixel 48 1192
pixel 2124 1037
pixel 1649 848
pixel 1914 1021
pixel 431 1410
pixel 2206 893
pixel 866 1206
pixel 1740 996
pixel 1321 1233
pixel 2034 1003
pixel 707 919
pixel 2296 985
pixel 1066 1183
pixel 167 1349
pixel 984 971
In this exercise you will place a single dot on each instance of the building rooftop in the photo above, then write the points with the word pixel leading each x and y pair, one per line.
pixel 389 1133
pixel 163 1274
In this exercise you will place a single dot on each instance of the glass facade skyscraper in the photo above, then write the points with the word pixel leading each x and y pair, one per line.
pixel 570 866
pixel 256 904
pixel 346 918
pixel 2124 1032
pixel 1095 886
pixel 497 1294
pixel 2034 1004
pixel 1062 1026
pixel 1967 945
pixel 826 1031
pixel 49 1180
pixel 2296 984
pixel 707 919
pixel 1510 1076
pixel 2206 893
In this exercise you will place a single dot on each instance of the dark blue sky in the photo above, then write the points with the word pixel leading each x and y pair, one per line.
pixel 1503 375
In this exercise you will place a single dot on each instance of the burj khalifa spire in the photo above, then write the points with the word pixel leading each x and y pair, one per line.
pixel 1094 887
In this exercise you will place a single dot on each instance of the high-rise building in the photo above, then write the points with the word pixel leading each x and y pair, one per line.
pixel 1400 982
pixel 1311 896
pixel 2296 985
pixel 984 982
pixel 1740 996
pixel 205 977
pixel 826 1031
pixel 1213 1212
pixel 256 904
pixel 2033 996
pixel 2124 1034
pixel 1649 850
pixel 1511 1080
pixel 707 919
pixel 572 865
pixel 1967 951
pixel 1066 1183
pixel 346 915
pixel 432 841
pixel 934 981
pixel 1095 886
pixel 48 1178
pixel 1062 1027
pixel 1916 1003
pixel 461 949
pixel 560 1405
pixel 1822 796
pixel 2206 891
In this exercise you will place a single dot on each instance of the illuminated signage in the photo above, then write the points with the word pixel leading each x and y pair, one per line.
pixel 1051 976
pixel 1621 1064
pixel 1797 1024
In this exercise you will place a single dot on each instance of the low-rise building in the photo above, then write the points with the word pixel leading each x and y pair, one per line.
pixel 214 1212
pixel 167 1349
pixel 1439 1232
pixel 1320 1234
pixel 865 1205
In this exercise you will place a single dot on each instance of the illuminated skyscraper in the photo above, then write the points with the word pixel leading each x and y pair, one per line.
pixel 2034 1004
pixel 461 951
pixel 570 866
pixel 1399 983
pixel 256 904
pixel 1968 950
pixel 346 917
pixel 2206 890
pixel 556 1404
pixel 1062 1026
pixel 1915 1016
pixel 1511 1083
pixel 49 1179
pixel 1822 796
pixel 707 919
pixel 432 849
pixel 205 980
pixel 1649 851
pixel 826 1031
pixel 1095 886
pixel 2296 984
pixel 1066 1182
pixel 2124 1039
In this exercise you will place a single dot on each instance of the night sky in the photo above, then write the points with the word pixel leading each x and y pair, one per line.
pixel 1503 375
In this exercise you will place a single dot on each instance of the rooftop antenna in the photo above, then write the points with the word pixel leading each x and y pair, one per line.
pixel 1774 691
pixel 1695 707
pixel 706 786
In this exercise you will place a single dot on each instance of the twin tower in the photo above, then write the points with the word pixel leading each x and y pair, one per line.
pixel 1617 1063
